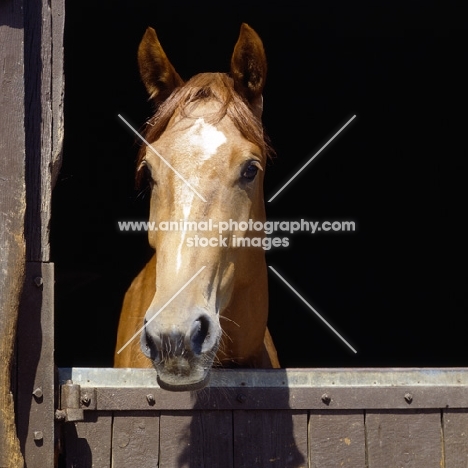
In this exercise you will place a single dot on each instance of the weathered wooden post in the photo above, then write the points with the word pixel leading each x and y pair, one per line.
pixel 12 213
pixel 31 129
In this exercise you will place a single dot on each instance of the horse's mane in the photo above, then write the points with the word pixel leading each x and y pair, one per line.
pixel 207 86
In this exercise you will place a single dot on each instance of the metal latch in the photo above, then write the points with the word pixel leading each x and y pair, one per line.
pixel 70 403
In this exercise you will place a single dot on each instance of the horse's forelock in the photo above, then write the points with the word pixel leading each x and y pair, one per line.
pixel 202 87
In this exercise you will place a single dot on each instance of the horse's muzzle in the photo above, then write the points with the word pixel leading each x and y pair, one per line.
pixel 182 353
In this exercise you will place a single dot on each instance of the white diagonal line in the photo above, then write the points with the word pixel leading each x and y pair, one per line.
pixel 311 308
pixel 159 155
pixel 160 310
pixel 312 158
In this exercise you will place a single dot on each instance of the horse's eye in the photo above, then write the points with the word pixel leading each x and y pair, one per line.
pixel 250 170
pixel 144 174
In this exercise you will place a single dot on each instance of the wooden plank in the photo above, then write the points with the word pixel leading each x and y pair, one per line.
pixel 135 439
pixel 88 442
pixel 337 438
pixel 44 22
pixel 12 212
pixel 58 85
pixel 201 439
pixel 455 424
pixel 410 439
pixel 270 438
pixel 35 356
pixel 116 398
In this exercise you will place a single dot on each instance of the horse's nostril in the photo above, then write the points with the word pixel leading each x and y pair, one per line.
pixel 200 334
pixel 183 341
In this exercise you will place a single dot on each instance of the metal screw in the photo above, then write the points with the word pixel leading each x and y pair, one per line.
pixel 150 399
pixel 241 398
pixel 39 281
pixel 38 393
pixel 60 415
pixel 326 398
pixel 408 398
pixel 38 435
pixel 85 399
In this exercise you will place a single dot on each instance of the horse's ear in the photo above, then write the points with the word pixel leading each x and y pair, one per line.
pixel 157 73
pixel 249 67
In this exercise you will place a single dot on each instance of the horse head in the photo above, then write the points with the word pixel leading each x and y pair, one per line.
pixel 205 161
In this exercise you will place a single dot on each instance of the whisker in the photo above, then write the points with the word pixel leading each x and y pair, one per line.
pixel 228 319
pixel 224 334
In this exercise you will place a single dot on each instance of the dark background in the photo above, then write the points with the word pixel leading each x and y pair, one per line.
pixel 396 288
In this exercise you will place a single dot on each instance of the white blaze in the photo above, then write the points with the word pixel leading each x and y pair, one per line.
pixel 202 141
pixel 206 137
pixel 186 200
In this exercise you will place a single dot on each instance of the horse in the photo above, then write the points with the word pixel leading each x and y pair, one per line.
pixel 204 158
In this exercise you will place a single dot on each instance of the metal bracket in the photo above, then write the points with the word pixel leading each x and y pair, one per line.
pixel 70 403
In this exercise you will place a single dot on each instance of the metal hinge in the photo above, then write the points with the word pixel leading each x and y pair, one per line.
pixel 70 403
